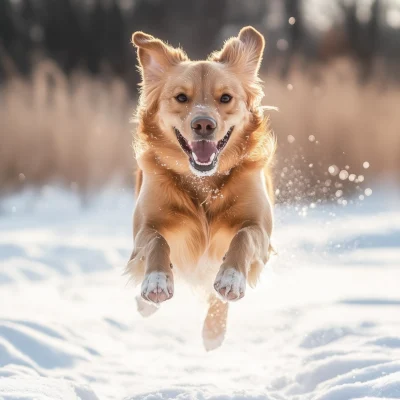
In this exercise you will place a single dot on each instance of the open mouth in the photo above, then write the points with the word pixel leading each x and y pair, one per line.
pixel 203 154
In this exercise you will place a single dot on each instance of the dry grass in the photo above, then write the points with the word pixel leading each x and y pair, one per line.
pixel 333 120
pixel 351 123
pixel 77 130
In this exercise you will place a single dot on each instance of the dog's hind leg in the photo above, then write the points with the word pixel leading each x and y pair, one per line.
pixel 214 327
pixel 145 308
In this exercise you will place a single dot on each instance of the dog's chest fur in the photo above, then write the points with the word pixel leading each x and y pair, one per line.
pixel 197 247
pixel 199 232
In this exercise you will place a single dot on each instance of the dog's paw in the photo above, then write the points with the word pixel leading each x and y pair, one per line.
pixel 230 284
pixel 157 287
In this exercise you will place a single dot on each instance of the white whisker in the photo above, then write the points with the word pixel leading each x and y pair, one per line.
pixel 270 108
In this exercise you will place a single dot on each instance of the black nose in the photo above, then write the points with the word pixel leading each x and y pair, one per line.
pixel 204 126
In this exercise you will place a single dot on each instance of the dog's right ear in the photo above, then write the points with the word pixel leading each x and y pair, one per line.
pixel 244 51
pixel 155 56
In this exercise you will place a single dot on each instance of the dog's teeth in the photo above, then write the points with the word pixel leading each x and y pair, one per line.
pixel 195 158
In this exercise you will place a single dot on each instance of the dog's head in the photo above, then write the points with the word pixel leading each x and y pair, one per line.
pixel 198 115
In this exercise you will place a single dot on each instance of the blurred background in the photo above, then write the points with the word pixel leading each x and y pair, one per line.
pixel 68 88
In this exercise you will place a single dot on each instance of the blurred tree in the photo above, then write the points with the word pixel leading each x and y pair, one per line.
pixel 295 34
pixel 69 30
pixel 8 36
pixel 361 30
pixel 95 34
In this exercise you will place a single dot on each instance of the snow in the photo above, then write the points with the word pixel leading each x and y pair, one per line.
pixel 323 324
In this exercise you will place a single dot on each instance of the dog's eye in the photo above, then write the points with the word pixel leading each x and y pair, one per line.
pixel 225 98
pixel 181 98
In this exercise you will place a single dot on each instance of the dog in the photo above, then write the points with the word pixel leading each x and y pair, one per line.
pixel 203 146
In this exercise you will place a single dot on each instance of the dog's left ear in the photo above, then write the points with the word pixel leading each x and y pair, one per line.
pixel 244 51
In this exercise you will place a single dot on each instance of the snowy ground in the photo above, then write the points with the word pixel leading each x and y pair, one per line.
pixel 324 324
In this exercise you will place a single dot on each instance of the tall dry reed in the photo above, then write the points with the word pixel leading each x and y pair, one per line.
pixel 76 130
pixel 72 130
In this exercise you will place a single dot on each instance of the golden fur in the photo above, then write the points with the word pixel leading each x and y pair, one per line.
pixel 208 228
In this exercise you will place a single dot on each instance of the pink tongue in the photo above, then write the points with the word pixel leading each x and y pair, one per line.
pixel 204 149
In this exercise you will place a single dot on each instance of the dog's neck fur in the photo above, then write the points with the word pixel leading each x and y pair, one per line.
pixel 205 190
pixel 201 190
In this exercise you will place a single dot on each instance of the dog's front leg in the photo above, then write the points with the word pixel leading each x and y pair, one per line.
pixel 248 250
pixel 152 249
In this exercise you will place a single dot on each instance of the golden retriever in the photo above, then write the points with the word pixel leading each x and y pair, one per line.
pixel 204 191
